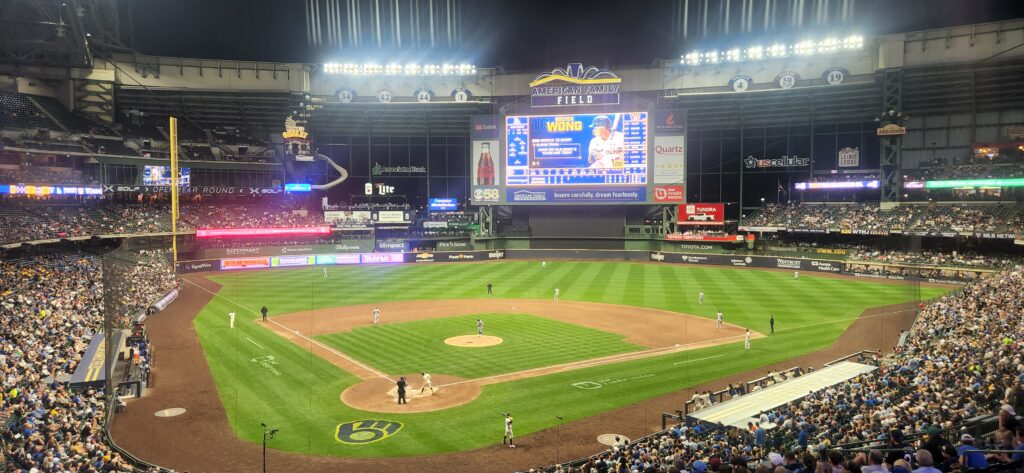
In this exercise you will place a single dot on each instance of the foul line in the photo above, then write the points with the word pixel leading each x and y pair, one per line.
pixel 321 345
pixel 254 343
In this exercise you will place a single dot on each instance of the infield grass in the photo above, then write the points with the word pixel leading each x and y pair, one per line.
pixel 302 397
pixel 527 342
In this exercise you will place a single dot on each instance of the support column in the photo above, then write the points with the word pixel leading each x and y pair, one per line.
pixel 891 147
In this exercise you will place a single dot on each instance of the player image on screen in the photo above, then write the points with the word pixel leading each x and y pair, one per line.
pixel 607 145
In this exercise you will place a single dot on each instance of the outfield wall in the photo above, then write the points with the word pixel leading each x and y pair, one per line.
pixel 859 269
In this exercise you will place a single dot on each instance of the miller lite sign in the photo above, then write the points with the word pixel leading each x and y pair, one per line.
pixel 575 85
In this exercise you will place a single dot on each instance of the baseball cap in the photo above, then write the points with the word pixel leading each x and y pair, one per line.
pixel 934 430
pixel 601 120
pixel 1009 409
pixel 700 466
pixel 966 438
pixel 775 458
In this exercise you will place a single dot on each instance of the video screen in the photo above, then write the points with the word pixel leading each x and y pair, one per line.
pixel 601 156
pixel 161 176
pixel 439 204
pixel 577 149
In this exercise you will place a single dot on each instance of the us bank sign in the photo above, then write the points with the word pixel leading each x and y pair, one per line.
pixel 575 85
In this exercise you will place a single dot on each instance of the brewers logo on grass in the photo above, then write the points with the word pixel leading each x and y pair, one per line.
pixel 361 432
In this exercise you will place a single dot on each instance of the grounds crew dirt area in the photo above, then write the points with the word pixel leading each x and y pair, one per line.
pixel 201 440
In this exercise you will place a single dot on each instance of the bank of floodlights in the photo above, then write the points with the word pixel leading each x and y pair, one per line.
pixel 775 51
pixel 395 69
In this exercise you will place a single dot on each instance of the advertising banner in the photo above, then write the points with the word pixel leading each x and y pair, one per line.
pixel 449 245
pixel 453 257
pixel 209 190
pixel 244 263
pixel 197 266
pixel 343 218
pixel 669 194
pixel 699 237
pixel 392 216
pixel 484 156
pixel 795 264
pixel 391 245
pixel 285 261
pixel 344 246
pixel 669 159
pixel 349 258
pixel 701 214
pixel 849 157
pixel 670 122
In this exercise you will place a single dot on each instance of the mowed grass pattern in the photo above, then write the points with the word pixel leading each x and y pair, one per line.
pixel 528 342
pixel 303 400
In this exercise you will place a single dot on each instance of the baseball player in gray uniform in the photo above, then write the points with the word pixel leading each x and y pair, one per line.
pixel 508 431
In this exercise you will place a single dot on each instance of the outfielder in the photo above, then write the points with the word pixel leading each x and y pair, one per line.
pixel 543 264
pixel 427 383
pixel 231 319
pixel 700 297
pixel 376 316
pixel 719 319
pixel 606 148
pixel 508 431
pixel 746 340
pixel 325 272
pixel 556 294
pixel 479 327
pixel 796 274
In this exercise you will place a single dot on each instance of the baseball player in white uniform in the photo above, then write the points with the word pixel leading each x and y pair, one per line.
pixel 543 264
pixel 376 316
pixel 746 340
pixel 479 327
pixel 325 272
pixel 719 319
pixel 796 274
pixel 556 294
pixel 231 319
pixel 700 297
pixel 508 432
pixel 606 147
pixel 427 383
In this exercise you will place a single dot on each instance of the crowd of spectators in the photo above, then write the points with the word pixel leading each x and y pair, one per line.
pixel 931 258
pixel 1000 218
pixel 51 307
pixel 961 359
pixel 44 175
pixel 985 167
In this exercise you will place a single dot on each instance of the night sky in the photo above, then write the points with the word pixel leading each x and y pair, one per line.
pixel 518 35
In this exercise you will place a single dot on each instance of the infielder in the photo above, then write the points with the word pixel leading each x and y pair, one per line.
pixel 719 319
pixel 479 327
pixel 376 316
pixel 231 319
pixel 556 294
pixel 700 297
pixel 606 148
pixel 746 340
pixel 508 431
pixel 427 383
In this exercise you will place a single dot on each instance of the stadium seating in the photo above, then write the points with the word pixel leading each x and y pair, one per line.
pixel 17 111
pixel 50 307
pixel 1000 218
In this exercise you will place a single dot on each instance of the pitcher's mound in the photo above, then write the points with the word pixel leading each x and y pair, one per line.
pixel 473 341
pixel 381 395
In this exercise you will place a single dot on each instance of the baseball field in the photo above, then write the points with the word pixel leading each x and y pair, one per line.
pixel 321 372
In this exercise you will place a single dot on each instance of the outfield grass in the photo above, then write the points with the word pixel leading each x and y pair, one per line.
pixel 303 399
pixel 528 342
